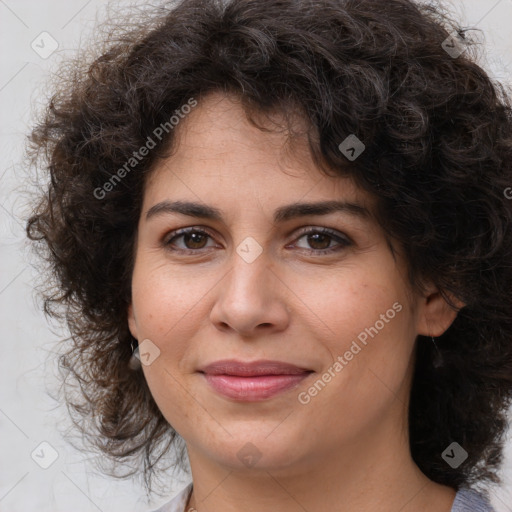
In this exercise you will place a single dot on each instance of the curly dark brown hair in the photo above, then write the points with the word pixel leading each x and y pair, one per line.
pixel 438 158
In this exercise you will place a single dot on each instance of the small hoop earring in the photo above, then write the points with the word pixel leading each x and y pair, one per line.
pixel 134 362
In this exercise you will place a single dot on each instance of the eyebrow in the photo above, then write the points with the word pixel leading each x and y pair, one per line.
pixel 282 214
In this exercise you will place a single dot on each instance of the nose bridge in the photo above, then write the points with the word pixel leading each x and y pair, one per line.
pixel 249 296
pixel 250 271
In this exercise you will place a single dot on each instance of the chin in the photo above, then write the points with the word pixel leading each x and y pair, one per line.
pixel 258 452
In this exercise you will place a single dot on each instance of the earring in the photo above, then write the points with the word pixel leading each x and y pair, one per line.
pixel 437 357
pixel 134 362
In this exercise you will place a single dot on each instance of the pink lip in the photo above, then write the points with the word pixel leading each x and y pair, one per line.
pixel 252 381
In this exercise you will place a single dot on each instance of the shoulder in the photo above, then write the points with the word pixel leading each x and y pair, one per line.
pixel 469 500
pixel 177 504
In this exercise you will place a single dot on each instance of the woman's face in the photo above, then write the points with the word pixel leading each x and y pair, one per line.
pixel 264 276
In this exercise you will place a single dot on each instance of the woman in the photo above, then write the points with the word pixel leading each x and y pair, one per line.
pixel 280 235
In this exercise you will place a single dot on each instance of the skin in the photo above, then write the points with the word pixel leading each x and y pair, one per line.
pixel 345 450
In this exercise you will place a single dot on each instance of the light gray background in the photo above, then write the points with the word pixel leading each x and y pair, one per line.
pixel 27 415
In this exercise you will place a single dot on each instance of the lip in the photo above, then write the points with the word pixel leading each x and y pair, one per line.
pixel 252 381
pixel 251 368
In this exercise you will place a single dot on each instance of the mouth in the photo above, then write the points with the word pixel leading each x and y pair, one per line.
pixel 252 381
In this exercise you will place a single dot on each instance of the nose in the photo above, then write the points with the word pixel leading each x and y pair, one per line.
pixel 251 299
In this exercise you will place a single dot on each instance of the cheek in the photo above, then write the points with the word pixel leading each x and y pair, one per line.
pixel 167 303
pixel 370 360
pixel 366 319
pixel 168 307
pixel 171 397
pixel 373 323
pixel 343 303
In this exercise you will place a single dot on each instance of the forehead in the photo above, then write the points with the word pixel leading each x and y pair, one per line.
pixel 219 153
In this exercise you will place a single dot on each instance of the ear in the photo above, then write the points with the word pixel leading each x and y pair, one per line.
pixel 435 314
pixel 132 324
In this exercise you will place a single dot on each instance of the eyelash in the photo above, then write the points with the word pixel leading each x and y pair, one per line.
pixel 343 240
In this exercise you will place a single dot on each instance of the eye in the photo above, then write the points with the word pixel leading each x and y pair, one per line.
pixel 320 240
pixel 192 239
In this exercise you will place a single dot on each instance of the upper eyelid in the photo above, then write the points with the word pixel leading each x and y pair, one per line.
pixel 320 229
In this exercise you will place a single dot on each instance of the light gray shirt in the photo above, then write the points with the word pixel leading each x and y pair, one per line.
pixel 466 500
